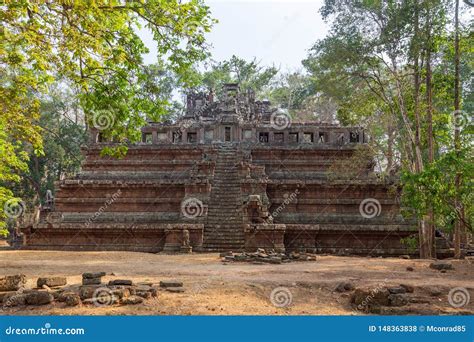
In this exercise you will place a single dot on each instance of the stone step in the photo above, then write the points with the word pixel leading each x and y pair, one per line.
pixel 230 198
pixel 226 202
pixel 224 246
pixel 214 225
pixel 225 217
pixel 223 192
pixel 227 206
pixel 220 218
pixel 224 196
pixel 228 225
pixel 230 242
pixel 223 204
pixel 219 189
pixel 216 228
pixel 231 218
pixel 223 229
pixel 226 234
pixel 224 238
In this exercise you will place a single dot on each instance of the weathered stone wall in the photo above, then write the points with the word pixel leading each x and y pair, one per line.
pixel 285 198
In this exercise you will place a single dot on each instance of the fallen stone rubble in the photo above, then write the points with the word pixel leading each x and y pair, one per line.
pixel 92 291
pixel 12 283
pixel 403 299
pixel 261 256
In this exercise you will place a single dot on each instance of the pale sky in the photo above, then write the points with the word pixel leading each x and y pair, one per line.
pixel 276 32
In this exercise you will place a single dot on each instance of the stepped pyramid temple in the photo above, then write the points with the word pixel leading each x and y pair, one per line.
pixel 232 174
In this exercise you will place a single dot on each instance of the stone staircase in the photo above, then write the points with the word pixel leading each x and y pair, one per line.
pixel 224 228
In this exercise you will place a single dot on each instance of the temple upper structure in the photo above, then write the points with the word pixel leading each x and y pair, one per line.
pixel 239 118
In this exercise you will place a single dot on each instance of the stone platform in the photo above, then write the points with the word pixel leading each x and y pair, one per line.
pixel 227 177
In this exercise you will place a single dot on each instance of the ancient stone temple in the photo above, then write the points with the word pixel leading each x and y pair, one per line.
pixel 232 174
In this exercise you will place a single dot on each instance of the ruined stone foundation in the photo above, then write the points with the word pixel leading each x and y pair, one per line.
pixel 228 177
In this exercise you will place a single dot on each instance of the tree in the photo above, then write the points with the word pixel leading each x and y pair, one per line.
pixel 250 75
pixel 93 45
pixel 289 90
pixel 64 134
pixel 385 63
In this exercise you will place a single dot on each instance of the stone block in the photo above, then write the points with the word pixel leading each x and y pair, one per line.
pixel 434 291
pixel 175 289
pixel 143 294
pixel 39 298
pixel 132 300
pixel 6 294
pixel 13 282
pixel 397 290
pixel 344 287
pixel 399 299
pixel 274 260
pixel 370 296
pixel 86 292
pixel 51 281
pixel 441 265
pixel 125 282
pixel 92 275
pixel 72 299
pixel 14 299
pixel 62 297
pixel 91 281
pixel 171 283
pixel 121 293
pixel 408 288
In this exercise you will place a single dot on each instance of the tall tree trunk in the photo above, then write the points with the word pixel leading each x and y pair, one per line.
pixel 416 75
pixel 424 231
pixel 457 143
pixel 390 144
pixel 430 138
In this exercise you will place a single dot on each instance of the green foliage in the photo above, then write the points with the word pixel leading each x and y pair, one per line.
pixel 94 45
pixel 411 243
pixel 366 66
pixel 290 90
pixel 250 75
pixel 435 188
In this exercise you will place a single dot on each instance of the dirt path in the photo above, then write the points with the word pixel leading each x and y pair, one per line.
pixel 236 288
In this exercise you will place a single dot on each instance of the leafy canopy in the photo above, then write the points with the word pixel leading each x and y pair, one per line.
pixel 95 45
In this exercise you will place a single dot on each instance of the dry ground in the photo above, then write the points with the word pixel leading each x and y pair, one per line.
pixel 236 288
